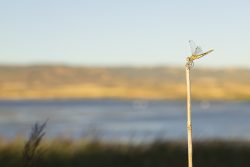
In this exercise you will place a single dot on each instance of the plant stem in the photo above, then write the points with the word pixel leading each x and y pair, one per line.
pixel 189 121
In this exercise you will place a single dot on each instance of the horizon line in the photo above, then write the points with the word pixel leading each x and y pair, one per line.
pixel 115 65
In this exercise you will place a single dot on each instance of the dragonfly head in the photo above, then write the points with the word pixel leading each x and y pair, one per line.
pixel 189 59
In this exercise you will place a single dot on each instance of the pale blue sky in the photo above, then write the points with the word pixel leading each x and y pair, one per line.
pixel 123 32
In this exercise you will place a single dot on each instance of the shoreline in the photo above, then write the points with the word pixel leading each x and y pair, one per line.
pixel 122 99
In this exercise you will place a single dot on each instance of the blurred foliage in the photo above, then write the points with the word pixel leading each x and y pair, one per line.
pixel 68 153
pixel 31 151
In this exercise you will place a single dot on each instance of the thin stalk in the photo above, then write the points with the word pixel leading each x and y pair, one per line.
pixel 189 121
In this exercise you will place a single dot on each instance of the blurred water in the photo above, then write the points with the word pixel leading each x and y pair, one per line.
pixel 126 120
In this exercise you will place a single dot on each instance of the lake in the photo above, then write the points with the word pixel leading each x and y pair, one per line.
pixel 126 120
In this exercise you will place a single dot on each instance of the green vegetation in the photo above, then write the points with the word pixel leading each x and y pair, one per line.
pixel 31 151
pixel 43 82
pixel 68 153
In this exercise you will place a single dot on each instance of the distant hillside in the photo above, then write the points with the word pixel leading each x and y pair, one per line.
pixel 143 83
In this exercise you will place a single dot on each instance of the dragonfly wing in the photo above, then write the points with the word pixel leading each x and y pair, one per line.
pixel 192 46
pixel 198 51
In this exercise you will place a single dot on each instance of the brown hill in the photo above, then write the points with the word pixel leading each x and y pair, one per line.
pixel 22 82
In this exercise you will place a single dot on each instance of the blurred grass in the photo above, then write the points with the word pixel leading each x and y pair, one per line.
pixel 69 153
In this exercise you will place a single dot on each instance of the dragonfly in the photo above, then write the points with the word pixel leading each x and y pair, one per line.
pixel 196 52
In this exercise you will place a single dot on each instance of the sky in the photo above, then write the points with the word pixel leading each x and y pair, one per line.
pixel 124 32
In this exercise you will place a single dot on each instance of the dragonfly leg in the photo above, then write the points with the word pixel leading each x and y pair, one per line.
pixel 189 64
